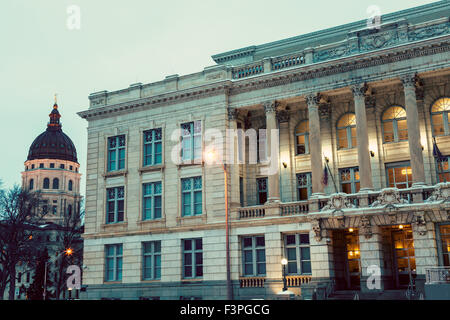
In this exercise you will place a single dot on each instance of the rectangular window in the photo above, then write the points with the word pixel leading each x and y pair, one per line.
pixel 115 204
pixel 41 165
pixel 399 175
pixel 116 153
pixel 349 178
pixel 152 201
pixel 304 186
pixel 443 170
pixel 444 233
pixel 151 258
pixel 52 165
pixel 191 196
pixel 152 147
pixel 254 256
pixel 297 253
pixel 262 190
pixel 192 258
pixel 113 262
pixel 191 141
pixel 61 166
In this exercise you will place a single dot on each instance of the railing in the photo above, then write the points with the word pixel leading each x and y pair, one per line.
pixel 297 281
pixel 247 71
pixel 287 61
pixel 252 282
pixel 288 209
pixel 358 200
pixel 252 212
pixel 437 275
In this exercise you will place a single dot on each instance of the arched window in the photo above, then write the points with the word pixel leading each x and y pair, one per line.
pixel 302 138
pixel 70 185
pixel 46 183
pixel 31 187
pixel 56 183
pixel 346 131
pixel 394 124
pixel 69 210
pixel 440 119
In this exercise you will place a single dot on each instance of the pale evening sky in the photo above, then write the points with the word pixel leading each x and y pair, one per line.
pixel 123 42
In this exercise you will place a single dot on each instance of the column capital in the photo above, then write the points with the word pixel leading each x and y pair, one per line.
pixel 312 99
pixel 283 116
pixel 270 106
pixel 409 80
pixel 232 113
pixel 359 89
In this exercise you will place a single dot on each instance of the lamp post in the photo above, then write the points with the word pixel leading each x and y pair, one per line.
pixel 284 263
pixel 211 156
pixel 68 252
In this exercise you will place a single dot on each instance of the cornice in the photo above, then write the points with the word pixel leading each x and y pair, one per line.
pixel 284 77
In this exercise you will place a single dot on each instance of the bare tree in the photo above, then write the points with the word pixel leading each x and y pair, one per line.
pixel 20 215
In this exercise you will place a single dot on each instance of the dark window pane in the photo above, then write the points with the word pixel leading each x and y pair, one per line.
pixel 304 238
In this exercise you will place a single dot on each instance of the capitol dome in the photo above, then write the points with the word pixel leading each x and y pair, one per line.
pixel 53 143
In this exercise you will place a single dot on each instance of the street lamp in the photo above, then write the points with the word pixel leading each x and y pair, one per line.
pixel 284 263
pixel 211 157
pixel 68 252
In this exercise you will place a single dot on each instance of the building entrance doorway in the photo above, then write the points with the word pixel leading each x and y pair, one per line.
pixel 347 259
pixel 404 256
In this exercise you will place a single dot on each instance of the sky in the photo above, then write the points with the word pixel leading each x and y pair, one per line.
pixel 123 42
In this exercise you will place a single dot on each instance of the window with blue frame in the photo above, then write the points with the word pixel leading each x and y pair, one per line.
pixel 152 147
pixel 297 252
pixel 191 196
pixel 152 201
pixel 254 256
pixel 304 186
pixel 151 258
pixel 115 204
pixel 443 170
pixel 191 141
pixel 192 258
pixel 261 184
pixel 116 153
pixel 349 178
pixel 113 262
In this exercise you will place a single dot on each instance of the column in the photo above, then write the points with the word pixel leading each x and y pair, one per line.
pixel 286 148
pixel 362 138
pixel 372 259
pixel 233 159
pixel 412 116
pixel 315 143
pixel 273 175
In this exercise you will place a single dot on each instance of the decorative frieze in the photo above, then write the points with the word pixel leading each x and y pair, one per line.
pixel 338 202
pixel 441 193
pixel 389 197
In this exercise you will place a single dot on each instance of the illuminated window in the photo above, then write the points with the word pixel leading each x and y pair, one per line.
pixel 440 117
pixel 302 138
pixel 394 125
pixel 444 234
pixel 349 178
pixel 304 186
pixel 346 131
pixel 443 170
pixel 399 175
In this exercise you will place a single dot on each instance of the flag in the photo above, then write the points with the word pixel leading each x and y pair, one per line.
pixel 325 176
pixel 437 153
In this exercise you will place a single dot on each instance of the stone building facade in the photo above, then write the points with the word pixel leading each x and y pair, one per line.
pixel 357 186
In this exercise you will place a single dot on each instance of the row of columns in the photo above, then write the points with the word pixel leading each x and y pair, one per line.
pixel 365 170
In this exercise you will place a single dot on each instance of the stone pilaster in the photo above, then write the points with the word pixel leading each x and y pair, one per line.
pixel 315 143
pixel 233 167
pixel 371 255
pixel 273 175
pixel 286 185
pixel 412 115
pixel 362 138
